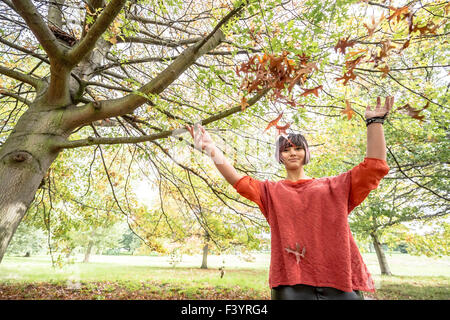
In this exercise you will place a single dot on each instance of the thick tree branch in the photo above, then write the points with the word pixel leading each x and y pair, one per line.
pixel 35 82
pixel 78 116
pixel 95 32
pixel 158 41
pixel 160 135
pixel 39 28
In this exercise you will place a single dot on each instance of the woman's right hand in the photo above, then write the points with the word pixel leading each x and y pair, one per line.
pixel 202 139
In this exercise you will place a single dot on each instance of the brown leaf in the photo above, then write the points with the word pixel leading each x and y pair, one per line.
pixel 413 112
pixel 344 44
pixel 354 53
pixel 351 64
pixel 385 70
pixel 374 25
pixel 349 75
pixel 282 129
pixel 274 122
pixel 348 110
pixel 405 45
pixel 244 103
pixel 314 91
pixel 399 13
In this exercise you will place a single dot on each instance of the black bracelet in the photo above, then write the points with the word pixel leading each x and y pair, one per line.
pixel 375 120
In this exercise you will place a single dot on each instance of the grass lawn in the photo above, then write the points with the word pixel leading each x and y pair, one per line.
pixel 144 277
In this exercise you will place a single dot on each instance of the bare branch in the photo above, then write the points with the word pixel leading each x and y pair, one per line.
pixel 15 96
pixel 160 135
pixel 35 82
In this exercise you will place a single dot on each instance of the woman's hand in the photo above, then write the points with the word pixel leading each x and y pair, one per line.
pixel 379 111
pixel 202 139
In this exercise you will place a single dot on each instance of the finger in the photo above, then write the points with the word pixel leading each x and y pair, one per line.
pixel 387 102
pixel 189 128
pixel 378 102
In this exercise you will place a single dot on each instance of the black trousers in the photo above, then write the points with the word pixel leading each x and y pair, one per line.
pixel 305 292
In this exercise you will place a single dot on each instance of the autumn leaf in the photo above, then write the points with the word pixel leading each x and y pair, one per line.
pixel 430 27
pixel 349 75
pixel 374 25
pixel 282 129
pixel 385 48
pixel 314 91
pixel 410 111
pixel 354 53
pixel 344 44
pixel 277 72
pixel 274 122
pixel 351 64
pixel 398 12
pixel 405 45
pixel 301 74
pixel 385 70
pixel 348 110
pixel 244 103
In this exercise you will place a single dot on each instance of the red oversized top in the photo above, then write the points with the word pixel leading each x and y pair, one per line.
pixel 311 241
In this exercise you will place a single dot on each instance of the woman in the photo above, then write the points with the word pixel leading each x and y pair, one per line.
pixel 313 253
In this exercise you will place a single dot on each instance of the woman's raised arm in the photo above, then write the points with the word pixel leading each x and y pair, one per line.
pixel 376 144
pixel 203 141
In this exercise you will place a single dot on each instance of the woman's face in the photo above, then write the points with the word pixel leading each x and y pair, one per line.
pixel 293 157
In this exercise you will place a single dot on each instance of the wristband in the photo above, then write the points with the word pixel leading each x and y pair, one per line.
pixel 376 120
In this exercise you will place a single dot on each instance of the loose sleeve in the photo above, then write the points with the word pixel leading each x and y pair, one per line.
pixel 250 188
pixel 366 177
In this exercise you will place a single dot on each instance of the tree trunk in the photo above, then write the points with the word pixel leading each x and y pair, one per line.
pixel 88 252
pixel 384 267
pixel 24 160
pixel 205 257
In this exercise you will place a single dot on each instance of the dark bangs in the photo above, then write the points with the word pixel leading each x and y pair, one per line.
pixel 293 138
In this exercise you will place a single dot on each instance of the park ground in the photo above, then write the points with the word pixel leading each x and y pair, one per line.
pixel 227 278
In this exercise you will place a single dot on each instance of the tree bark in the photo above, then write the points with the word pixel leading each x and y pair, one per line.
pixel 88 251
pixel 384 267
pixel 205 257
pixel 24 160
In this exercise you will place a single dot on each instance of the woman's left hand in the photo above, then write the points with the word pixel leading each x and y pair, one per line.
pixel 379 111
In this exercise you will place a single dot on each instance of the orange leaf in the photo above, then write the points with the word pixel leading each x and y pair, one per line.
pixel 282 129
pixel 413 112
pixel 348 110
pixel 374 25
pixel 343 44
pixel 385 70
pixel 349 75
pixel 244 103
pixel 398 12
pixel 405 45
pixel 314 91
pixel 274 122
pixel 353 53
